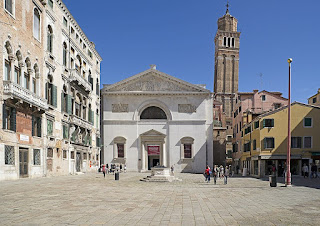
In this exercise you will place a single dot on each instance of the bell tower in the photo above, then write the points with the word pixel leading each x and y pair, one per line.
pixel 226 70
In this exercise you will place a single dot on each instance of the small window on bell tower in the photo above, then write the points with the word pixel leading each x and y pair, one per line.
pixel 225 41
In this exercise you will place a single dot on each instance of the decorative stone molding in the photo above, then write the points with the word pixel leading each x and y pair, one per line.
pixel 80 122
pixel 75 76
pixel 186 108
pixel 120 108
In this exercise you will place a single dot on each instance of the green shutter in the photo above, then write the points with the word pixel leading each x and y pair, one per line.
pixel 46 91
pixel 38 126
pixel 13 119
pixel 62 102
pixel 69 104
pixel 33 119
pixel 272 122
pixel 54 95
pixel 263 123
pixel 91 116
pixel 4 116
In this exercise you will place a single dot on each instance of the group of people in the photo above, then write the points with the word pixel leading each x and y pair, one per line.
pixel 313 168
pixel 217 172
pixel 106 169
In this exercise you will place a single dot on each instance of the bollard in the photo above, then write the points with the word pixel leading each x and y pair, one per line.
pixel 116 176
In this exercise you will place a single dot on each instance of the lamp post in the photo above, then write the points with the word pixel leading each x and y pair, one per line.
pixel 288 173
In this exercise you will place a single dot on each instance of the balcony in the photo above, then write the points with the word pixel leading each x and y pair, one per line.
pixel 80 122
pixel 13 90
pixel 80 80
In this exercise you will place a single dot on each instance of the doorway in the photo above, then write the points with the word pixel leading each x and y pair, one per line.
pixel 23 162
pixel 78 161
pixel 153 156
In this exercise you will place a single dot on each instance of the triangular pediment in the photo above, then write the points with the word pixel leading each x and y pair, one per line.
pixel 153 132
pixel 153 80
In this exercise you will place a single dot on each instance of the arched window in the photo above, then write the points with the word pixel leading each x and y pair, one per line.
pixel 153 112
pixel 187 148
pixel 90 79
pixel 7 62
pixel 36 24
pixel 64 54
pixel 49 39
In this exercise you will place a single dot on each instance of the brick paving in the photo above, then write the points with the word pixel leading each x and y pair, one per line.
pixel 90 199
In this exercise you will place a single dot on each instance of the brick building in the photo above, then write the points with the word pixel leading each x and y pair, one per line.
pixel 49 92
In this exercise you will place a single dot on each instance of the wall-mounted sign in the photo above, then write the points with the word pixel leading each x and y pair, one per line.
pixel 24 137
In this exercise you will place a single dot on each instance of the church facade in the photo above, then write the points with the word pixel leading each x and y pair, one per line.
pixel 153 118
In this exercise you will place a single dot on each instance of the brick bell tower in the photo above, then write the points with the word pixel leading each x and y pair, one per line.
pixel 226 70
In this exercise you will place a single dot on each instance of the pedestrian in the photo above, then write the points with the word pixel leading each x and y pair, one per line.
pixel 221 172
pixel 274 169
pixel 120 168
pixel 215 173
pixel 104 170
pixel 314 171
pixel 125 168
pixel 226 174
pixel 208 172
pixel 172 170
pixel 218 172
pixel 107 168
pixel 305 170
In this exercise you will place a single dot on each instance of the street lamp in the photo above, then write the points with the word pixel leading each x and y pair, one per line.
pixel 288 173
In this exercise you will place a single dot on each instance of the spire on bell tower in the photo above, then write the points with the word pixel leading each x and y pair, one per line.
pixel 227 11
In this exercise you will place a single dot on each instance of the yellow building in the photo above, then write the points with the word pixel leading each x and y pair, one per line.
pixel 315 99
pixel 264 140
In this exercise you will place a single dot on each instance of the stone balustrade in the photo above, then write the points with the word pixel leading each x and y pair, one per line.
pixel 76 76
pixel 13 89
pixel 80 122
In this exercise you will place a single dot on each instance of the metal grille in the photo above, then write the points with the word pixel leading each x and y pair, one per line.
pixel 9 155
pixel 36 157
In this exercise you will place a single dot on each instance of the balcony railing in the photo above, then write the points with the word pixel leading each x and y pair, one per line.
pixel 15 90
pixel 80 122
pixel 81 81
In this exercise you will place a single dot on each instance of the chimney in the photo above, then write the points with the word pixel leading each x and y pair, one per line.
pixel 255 90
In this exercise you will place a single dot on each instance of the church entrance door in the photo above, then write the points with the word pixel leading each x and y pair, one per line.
pixel 153 156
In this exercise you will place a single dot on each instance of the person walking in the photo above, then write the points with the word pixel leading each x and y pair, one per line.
pixel 172 170
pixel 104 170
pixel 215 173
pixel 314 171
pixel 221 171
pixel 107 168
pixel 125 168
pixel 305 170
pixel 120 168
pixel 208 172
pixel 226 174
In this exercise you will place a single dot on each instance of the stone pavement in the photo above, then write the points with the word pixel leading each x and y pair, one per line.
pixel 90 199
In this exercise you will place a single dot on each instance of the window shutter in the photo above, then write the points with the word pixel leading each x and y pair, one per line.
pixel 39 126
pixel 4 116
pixel 46 91
pixel 265 143
pixel 69 104
pixel 62 103
pixel 263 123
pixel 54 95
pixel 272 122
pixel 13 119
pixel 32 125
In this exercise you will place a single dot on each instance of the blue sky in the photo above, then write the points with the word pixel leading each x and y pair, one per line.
pixel 178 35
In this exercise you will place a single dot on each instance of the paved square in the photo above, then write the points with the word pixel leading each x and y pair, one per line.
pixel 90 199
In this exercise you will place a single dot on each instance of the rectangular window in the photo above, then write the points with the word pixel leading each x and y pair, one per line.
pixel 277 105
pixel 268 123
pixel 17 75
pixel 89 53
pixel 268 143
pixel 9 155
pixel 34 85
pixel 307 122
pixel 307 142
pixel 229 154
pixel 9 6
pixel 50 153
pixel 120 150
pixel 7 70
pixel 64 154
pixel 256 124
pixel 296 142
pixel 187 151
pixel 49 127
pixel 85 156
pixel 26 81
pixel 65 22
pixel 263 97
pixel 50 3
pixel 247 147
pixel 36 157
pixel 72 154
pixel 77 108
pixel 36 126
pixel 254 144
pixel 314 100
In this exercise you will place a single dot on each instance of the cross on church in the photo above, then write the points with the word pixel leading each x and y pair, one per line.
pixel 227 5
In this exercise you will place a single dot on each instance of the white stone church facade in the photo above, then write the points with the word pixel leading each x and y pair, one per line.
pixel 153 118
